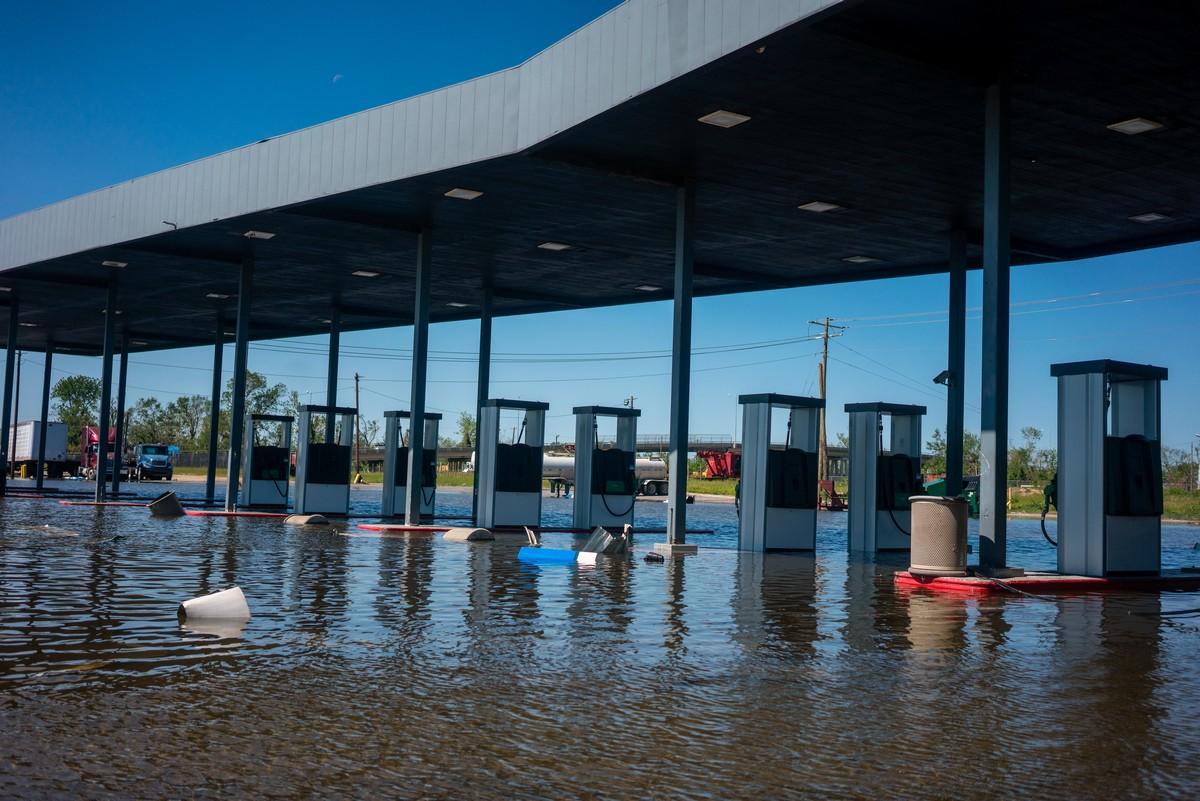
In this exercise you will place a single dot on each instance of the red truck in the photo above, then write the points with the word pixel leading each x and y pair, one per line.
pixel 721 464
pixel 90 451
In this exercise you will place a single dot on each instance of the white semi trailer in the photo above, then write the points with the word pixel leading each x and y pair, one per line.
pixel 23 448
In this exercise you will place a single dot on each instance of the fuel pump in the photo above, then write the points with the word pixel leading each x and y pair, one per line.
pixel 605 479
pixel 395 463
pixel 510 473
pixel 882 480
pixel 323 461
pixel 266 457
pixel 778 490
pixel 1109 481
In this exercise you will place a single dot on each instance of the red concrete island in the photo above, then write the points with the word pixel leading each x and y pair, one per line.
pixel 1047 583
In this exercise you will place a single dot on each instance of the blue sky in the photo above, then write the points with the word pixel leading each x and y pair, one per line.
pixel 93 94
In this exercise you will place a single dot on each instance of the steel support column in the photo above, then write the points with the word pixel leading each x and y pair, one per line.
pixel 956 352
pixel 45 413
pixel 106 365
pixel 214 414
pixel 331 371
pixel 483 383
pixel 119 440
pixel 420 365
pixel 681 365
pixel 994 417
pixel 241 352
pixel 10 364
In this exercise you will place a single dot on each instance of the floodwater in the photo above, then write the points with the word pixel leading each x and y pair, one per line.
pixel 414 668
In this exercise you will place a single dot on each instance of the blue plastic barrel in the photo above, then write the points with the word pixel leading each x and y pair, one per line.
pixel 560 556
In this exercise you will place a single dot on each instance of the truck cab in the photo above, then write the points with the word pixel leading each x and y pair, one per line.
pixel 151 461
pixel 90 455
pixel 90 458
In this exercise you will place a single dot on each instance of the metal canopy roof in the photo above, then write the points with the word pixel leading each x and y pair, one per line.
pixel 875 106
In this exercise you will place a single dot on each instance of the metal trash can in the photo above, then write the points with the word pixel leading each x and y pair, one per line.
pixel 166 505
pixel 939 536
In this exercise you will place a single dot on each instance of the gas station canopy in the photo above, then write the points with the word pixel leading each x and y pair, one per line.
pixel 827 141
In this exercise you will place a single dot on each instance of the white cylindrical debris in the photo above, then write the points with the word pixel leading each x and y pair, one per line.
pixel 217 629
pixel 468 535
pixel 227 604
pixel 306 520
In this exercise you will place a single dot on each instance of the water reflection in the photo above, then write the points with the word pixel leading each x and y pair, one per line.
pixel 875 616
pixel 413 667
pixel 775 602
pixel 403 588
pixel 937 623
pixel 601 596
pixel 675 627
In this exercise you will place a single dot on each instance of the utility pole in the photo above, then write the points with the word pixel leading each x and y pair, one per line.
pixel 357 438
pixel 822 371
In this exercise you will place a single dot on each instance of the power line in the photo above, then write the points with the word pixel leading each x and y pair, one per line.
pixel 315 349
pixel 886 378
pixel 1032 301
pixel 1027 312
pixel 914 382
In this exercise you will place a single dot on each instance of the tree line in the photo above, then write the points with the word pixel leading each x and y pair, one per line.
pixel 185 421
pixel 1028 462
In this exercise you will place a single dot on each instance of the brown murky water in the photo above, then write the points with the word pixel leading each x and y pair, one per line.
pixel 413 668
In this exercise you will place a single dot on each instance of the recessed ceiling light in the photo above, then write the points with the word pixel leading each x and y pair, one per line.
pixel 217 296
pixel 326 321
pixel 647 288
pixel 5 289
pixel 1149 217
pixel 258 235
pixel 27 325
pixel 554 246
pixel 458 193
pixel 365 273
pixel 1136 125
pixel 230 333
pixel 819 206
pixel 723 119
pixel 105 311
pixel 111 263
pixel 859 259
pixel 138 342
pixel 454 304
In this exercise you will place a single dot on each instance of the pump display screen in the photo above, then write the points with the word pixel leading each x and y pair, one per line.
pixel 428 469
pixel 1132 477
pixel 269 463
pixel 518 468
pixel 612 472
pixel 896 478
pixel 791 479
pixel 327 463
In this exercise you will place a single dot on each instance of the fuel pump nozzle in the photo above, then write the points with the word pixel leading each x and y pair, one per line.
pixel 1050 492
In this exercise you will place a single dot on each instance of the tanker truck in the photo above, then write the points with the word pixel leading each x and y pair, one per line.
pixel 651 474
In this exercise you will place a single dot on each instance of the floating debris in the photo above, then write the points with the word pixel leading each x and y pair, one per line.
pixel 48 530
pixel 227 604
